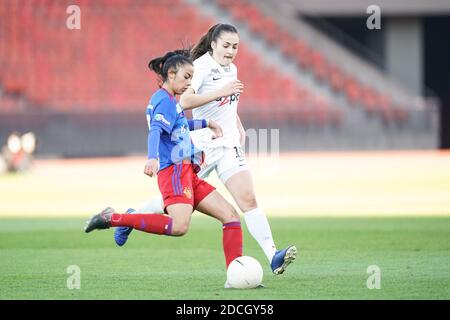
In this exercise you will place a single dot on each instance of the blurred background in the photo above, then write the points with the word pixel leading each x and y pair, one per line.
pixel 312 69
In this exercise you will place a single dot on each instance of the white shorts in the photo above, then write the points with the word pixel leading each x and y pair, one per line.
pixel 225 160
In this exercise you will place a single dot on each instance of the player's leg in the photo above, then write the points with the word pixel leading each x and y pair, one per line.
pixel 121 234
pixel 240 186
pixel 181 214
pixel 155 205
pixel 171 182
pixel 215 205
pixel 207 200
pixel 151 223
pixel 235 174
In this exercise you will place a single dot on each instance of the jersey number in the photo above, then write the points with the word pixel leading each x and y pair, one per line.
pixel 239 152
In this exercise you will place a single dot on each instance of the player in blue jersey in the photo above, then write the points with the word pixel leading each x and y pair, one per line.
pixel 175 161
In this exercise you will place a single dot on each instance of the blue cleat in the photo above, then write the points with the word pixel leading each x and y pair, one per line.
pixel 283 258
pixel 121 233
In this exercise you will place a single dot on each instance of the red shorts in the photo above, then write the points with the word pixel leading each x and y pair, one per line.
pixel 180 184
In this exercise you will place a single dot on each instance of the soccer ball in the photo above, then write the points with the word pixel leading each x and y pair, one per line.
pixel 244 273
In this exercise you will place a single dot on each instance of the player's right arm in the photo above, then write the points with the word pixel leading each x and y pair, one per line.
pixel 161 119
pixel 152 165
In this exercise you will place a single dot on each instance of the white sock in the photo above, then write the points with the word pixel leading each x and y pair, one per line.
pixel 154 205
pixel 259 228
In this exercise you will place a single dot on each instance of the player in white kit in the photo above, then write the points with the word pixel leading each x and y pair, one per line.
pixel 214 94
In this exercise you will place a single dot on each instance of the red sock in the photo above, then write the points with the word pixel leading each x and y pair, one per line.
pixel 232 241
pixel 149 222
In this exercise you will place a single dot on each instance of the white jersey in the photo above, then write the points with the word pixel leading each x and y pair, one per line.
pixel 210 76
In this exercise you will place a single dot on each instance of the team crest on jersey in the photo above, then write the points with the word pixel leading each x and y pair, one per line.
pixel 187 192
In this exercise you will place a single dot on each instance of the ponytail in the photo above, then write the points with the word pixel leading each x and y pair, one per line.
pixel 171 60
pixel 204 45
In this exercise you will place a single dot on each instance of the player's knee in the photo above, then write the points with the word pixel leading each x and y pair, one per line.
pixel 230 214
pixel 248 201
pixel 225 212
pixel 180 229
pixel 235 216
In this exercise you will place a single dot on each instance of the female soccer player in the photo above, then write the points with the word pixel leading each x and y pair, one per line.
pixel 214 94
pixel 175 160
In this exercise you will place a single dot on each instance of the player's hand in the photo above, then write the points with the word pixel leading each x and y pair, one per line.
pixel 215 128
pixel 151 167
pixel 233 87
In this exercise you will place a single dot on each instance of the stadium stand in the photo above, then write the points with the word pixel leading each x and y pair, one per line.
pixel 103 66
pixel 313 61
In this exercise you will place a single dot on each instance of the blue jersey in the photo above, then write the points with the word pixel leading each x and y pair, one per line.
pixel 175 144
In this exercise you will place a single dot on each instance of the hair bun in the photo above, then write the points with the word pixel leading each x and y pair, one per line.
pixel 169 54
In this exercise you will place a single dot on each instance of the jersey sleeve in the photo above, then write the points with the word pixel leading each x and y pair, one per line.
pixel 154 136
pixel 200 75
pixel 196 124
pixel 164 115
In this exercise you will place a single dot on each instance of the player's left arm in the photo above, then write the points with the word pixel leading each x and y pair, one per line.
pixel 241 130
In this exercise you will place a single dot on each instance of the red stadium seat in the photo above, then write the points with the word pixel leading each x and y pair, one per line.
pixel 103 67
pixel 336 78
pixel 352 90
pixel 303 53
pixel 386 109
pixel 319 66
pixel 369 99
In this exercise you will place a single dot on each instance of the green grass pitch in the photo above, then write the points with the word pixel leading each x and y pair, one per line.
pixel 413 255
